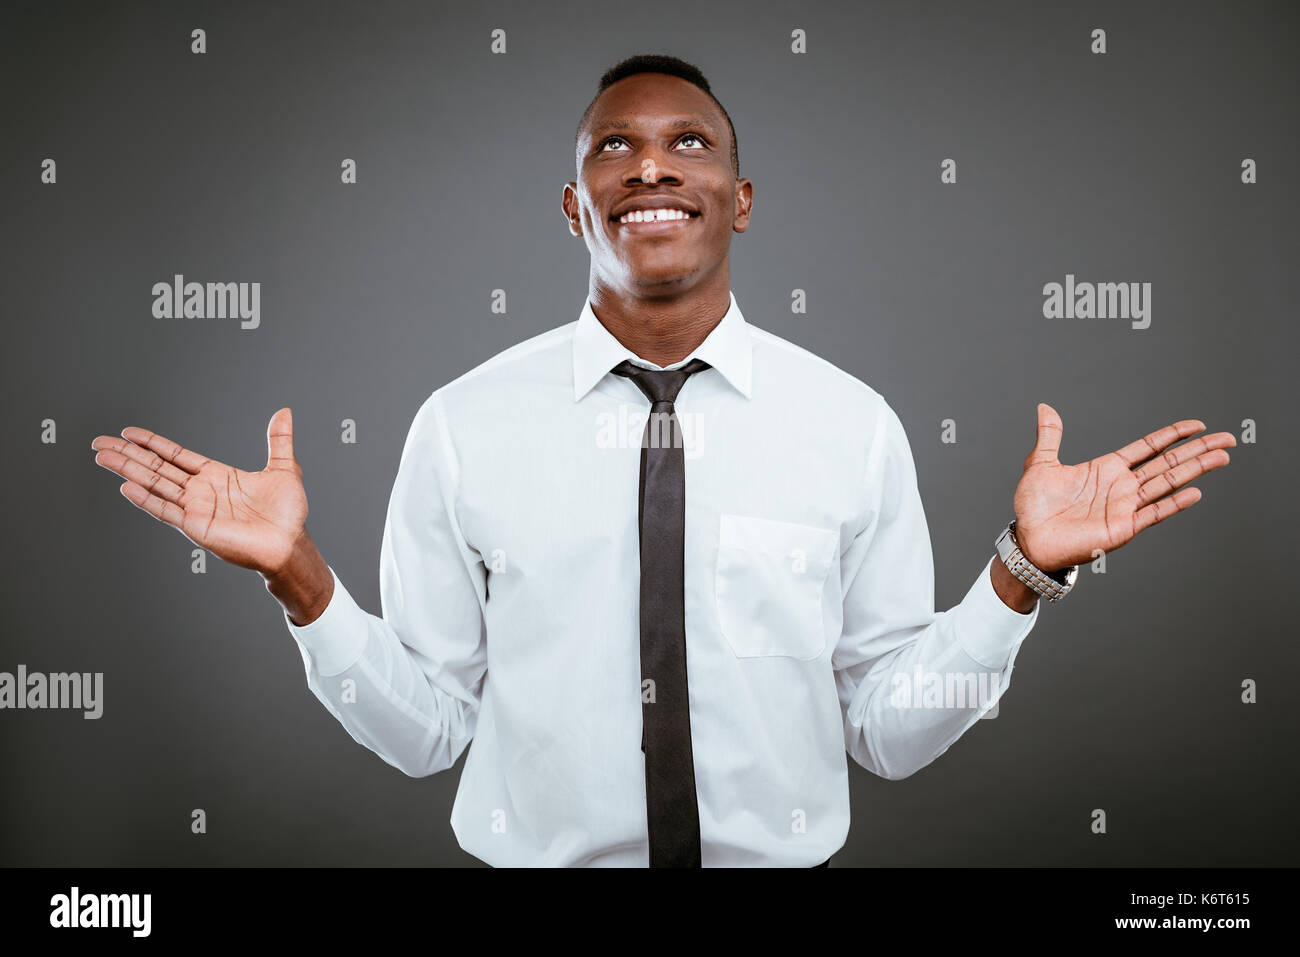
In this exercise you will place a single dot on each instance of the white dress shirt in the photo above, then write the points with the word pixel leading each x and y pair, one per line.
pixel 509 577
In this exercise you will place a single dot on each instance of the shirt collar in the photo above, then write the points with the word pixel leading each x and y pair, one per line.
pixel 727 348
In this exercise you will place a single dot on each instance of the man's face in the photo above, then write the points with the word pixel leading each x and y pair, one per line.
pixel 655 141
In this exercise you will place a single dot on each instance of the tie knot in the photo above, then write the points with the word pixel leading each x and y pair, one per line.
pixel 660 385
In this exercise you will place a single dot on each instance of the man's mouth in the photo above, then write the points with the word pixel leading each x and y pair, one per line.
pixel 655 220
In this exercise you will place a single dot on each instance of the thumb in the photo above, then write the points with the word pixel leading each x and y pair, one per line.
pixel 1049 437
pixel 279 440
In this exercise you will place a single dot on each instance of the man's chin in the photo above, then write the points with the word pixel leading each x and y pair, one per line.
pixel 663 282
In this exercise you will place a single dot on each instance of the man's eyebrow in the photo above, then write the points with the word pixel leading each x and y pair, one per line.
pixel 680 123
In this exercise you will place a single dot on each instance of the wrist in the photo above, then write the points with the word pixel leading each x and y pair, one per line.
pixel 298 558
pixel 1051 585
pixel 1014 593
pixel 303 584
pixel 1027 549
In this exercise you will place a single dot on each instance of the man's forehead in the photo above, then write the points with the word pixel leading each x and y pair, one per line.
pixel 629 121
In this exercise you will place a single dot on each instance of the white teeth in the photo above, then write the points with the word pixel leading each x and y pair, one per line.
pixel 653 215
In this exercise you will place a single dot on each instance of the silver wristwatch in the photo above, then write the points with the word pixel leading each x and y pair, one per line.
pixel 1053 587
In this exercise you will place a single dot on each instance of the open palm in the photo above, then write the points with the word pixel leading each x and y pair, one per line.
pixel 1065 512
pixel 250 519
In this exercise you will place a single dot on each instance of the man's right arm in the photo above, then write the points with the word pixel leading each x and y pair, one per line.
pixel 406 685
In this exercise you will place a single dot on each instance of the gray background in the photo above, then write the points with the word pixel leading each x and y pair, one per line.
pixel 225 167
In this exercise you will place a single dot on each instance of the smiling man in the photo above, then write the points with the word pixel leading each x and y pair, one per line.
pixel 659 658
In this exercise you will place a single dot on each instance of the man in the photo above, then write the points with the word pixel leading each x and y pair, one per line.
pixel 661 641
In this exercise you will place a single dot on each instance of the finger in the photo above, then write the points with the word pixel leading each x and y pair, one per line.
pixel 1135 453
pixel 1166 482
pixel 279 439
pixel 1171 458
pixel 1159 511
pixel 1048 443
pixel 152 482
pixel 146 458
pixel 159 509
pixel 188 461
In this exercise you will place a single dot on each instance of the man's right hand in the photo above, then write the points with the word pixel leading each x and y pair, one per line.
pixel 255 520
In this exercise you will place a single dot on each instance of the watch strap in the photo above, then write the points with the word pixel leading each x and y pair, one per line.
pixel 1052 586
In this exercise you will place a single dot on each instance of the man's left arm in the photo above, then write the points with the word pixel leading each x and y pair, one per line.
pixel 911 681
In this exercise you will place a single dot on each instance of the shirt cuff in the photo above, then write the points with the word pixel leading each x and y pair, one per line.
pixel 335 640
pixel 987 627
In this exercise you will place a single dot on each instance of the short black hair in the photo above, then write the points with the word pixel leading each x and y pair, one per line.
pixel 658 63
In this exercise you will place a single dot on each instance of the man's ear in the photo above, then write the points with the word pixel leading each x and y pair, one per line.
pixel 744 204
pixel 569 203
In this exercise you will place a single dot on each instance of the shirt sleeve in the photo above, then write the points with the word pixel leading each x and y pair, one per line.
pixel 408 685
pixel 911 681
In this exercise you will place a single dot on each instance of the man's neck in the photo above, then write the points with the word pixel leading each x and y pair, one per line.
pixel 662 331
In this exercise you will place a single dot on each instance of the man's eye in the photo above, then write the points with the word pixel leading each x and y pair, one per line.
pixel 619 139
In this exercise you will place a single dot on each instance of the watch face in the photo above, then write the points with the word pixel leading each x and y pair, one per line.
pixel 1065 576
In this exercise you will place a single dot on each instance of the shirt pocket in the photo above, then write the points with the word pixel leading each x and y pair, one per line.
pixel 768 586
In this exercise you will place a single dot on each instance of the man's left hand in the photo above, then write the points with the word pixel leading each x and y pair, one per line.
pixel 1064 513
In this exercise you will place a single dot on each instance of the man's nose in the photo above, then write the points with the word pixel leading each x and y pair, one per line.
pixel 655 166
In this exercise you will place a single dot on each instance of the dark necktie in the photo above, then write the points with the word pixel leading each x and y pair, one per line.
pixel 671 809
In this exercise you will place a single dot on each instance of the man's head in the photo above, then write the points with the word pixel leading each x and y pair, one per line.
pixel 669 66
pixel 655 137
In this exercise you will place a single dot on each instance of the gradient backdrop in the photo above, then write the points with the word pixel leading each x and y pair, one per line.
pixel 225 166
